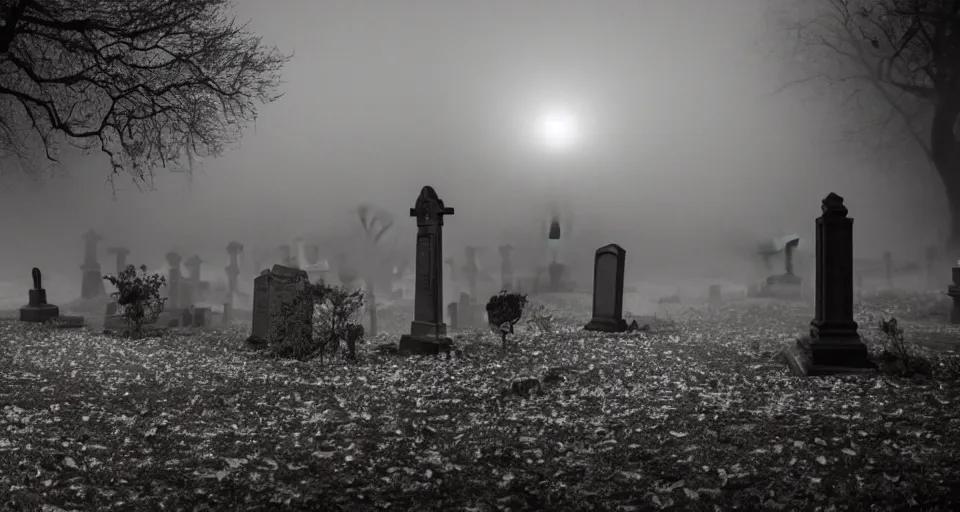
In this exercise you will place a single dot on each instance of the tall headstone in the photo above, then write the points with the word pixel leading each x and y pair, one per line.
pixel 470 269
pixel 608 268
pixel 834 345
pixel 121 254
pixel 271 289
pixel 233 269
pixel 92 276
pixel 190 293
pixel 506 268
pixel 427 331
pixel 173 281
pixel 37 310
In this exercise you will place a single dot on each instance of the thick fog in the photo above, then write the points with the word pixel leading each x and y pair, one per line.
pixel 685 159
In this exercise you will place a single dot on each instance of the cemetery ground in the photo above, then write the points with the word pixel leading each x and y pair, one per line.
pixel 694 413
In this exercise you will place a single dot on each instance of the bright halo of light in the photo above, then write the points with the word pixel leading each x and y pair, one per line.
pixel 557 129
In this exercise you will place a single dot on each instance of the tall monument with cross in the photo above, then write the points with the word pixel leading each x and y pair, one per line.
pixel 428 333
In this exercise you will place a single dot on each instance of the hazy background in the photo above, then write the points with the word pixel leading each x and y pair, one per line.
pixel 687 157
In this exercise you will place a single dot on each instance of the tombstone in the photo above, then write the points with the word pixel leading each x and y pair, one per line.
pixel 834 345
pixel 888 268
pixel 714 296
pixel 954 292
pixel 37 310
pixel 786 285
pixel 470 269
pixel 190 292
pixel 270 289
pixel 608 267
pixel 233 269
pixel 202 317
pixel 173 281
pixel 121 254
pixel 506 268
pixel 465 318
pixel 92 285
pixel 452 312
pixel 427 331
pixel 227 314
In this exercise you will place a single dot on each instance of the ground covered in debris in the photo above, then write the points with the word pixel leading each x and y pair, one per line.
pixel 692 413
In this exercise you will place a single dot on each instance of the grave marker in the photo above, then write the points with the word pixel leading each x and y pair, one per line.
pixel 37 310
pixel 92 285
pixel 608 268
pixel 233 269
pixel 834 345
pixel 190 289
pixel 271 289
pixel 427 331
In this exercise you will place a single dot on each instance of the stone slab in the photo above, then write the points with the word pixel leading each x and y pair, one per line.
pixel 423 345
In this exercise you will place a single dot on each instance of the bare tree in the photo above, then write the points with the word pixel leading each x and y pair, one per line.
pixel 897 63
pixel 150 83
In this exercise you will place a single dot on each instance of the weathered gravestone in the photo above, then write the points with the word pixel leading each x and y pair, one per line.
pixel 506 268
pixel 452 312
pixel 271 289
pixel 37 310
pixel 833 345
pixel 173 282
pixel 608 268
pixel 121 254
pixel 92 285
pixel 427 331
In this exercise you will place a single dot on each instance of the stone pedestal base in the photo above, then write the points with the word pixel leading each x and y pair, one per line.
pixel 827 356
pixel 606 325
pixel 423 345
pixel 38 312
pixel 427 329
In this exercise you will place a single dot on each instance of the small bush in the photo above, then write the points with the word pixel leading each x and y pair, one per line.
pixel 504 310
pixel 899 353
pixel 138 297
pixel 317 319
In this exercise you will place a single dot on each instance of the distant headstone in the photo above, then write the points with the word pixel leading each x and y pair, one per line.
pixel 92 277
pixel 608 268
pixel 714 300
pixel 121 254
pixel 427 331
pixel 271 289
pixel 786 285
pixel 37 310
pixel 506 268
pixel 173 281
pixel 202 317
pixel 233 269
pixel 227 314
pixel 452 314
pixel 834 345
pixel 465 318
pixel 471 269
pixel 191 292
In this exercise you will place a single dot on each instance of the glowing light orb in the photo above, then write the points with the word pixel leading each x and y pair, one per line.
pixel 557 129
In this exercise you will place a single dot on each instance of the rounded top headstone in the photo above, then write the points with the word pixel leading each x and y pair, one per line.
pixel 37 283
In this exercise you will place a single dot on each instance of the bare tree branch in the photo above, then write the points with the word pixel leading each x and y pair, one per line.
pixel 146 82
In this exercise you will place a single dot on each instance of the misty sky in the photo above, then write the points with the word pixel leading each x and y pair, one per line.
pixel 682 142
